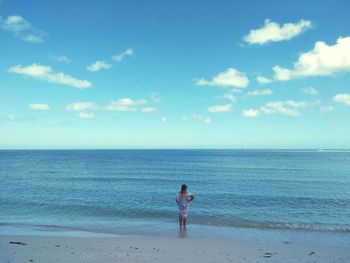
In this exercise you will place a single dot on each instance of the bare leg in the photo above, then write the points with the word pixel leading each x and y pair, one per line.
pixel 180 220
pixel 184 219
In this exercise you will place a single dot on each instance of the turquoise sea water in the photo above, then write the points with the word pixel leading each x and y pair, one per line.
pixel 238 193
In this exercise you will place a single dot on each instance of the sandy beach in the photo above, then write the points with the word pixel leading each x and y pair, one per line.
pixel 15 249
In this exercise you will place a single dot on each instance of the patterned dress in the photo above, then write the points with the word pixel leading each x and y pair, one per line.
pixel 183 203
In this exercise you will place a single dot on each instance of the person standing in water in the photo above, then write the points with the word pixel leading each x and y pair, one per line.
pixel 183 198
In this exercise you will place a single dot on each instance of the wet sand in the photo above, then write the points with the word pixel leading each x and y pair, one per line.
pixel 20 249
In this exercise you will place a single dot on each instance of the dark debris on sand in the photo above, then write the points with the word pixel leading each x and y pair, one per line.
pixel 17 243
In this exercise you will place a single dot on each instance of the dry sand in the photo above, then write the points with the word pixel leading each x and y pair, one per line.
pixel 160 249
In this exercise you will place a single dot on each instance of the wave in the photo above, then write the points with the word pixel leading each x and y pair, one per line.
pixel 269 225
pixel 92 214
pixel 219 225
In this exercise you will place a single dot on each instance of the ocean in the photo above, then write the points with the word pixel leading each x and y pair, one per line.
pixel 279 195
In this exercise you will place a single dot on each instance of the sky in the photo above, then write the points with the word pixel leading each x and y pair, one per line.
pixel 174 74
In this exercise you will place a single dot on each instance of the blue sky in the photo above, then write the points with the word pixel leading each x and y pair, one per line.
pixel 174 74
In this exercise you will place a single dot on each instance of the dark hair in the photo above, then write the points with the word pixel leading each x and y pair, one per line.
pixel 183 187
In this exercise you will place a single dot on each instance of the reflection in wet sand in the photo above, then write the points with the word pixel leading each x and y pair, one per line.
pixel 182 232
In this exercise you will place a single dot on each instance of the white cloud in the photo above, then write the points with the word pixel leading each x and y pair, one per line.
pixel 130 102
pixel 80 106
pixel 13 118
pixel 61 59
pixel 155 97
pixel 281 74
pixel 220 108
pixel 32 38
pixel 289 107
pixel 263 80
pixel 15 24
pixel 9 117
pixel 342 98
pixel 120 105
pixel 120 57
pixel 279 107
pixel 39 106
pixel 21 28
pixel 297 104
pixel 322 60
pixel 260 92
pixel 326 109
pixel 45 73
pixel 310 91
pixel 148 110
pixel 251 113
pixel 231 78
pixel 163 119
pixel 125 104
pixel 85 115
pixel 273 32
pixel 98 65
pixel 196 117
pixel 229 96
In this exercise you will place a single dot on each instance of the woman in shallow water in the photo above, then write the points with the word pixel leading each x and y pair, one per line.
pixel 183 198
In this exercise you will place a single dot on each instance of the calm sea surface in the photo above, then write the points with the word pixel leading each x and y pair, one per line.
pixel 133 192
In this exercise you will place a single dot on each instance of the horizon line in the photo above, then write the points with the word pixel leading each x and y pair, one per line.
pixel 234 149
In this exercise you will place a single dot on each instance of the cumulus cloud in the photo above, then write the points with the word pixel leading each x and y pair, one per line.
pixel 127 53
pixel 231 78
pixel 263 80
pixel 32 38
pixel 21 28
pixel 229 97
pixel 46 73
pixel 310 91
pixel 81 106
pixel 322 60
pixel 98 65
pixel 343 98
pixel 273 32
pixel 250 113
pixel 39 106
pixel 120 105
pixel 326 109
pixel 125 105
pixel 289 107
pixel 13 118
pixel 299 104
pixel 260 92
pixel 196 117
pixel 220 108
pixel 9 117
pixel 279 107
pixel 15 24
pixel 61 59
pixel 85 115
pixel 155 97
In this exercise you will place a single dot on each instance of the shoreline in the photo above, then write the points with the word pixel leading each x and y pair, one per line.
pixel 19 248
pixel 297 236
